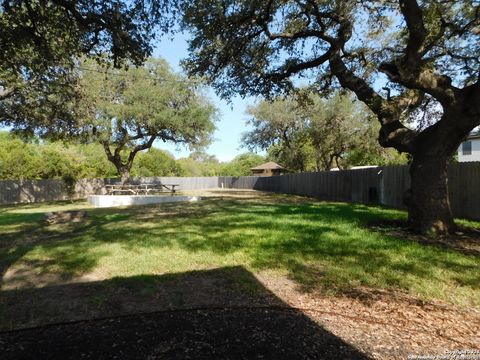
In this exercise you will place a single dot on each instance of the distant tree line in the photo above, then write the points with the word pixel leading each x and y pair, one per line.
pixel 37 159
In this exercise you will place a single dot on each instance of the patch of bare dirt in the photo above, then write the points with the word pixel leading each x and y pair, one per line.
pixel 62 217
pixel 26 274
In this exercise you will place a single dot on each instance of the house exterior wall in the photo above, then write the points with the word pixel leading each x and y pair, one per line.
pixel 474 156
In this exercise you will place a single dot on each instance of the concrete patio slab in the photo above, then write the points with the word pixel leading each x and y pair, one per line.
pixel 102 201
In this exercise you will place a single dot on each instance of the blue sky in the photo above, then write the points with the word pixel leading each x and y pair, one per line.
pixel 232 117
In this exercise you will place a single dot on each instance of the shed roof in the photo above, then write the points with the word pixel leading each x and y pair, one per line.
pixel 268 166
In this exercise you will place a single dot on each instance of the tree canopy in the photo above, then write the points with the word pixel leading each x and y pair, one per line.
pixel 42 42
pixel 419 51
pixel 156 162
pixel 316 133
pixel 241 165
pixel 280 127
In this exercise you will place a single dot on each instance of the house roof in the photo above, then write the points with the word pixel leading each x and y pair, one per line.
pixel 474 136
pixel 268 166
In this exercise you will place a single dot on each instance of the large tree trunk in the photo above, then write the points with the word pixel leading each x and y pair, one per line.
pixel 427 200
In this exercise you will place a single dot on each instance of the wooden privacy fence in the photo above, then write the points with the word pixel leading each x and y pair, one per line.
pixel 29 191
pixel 348 185
pixel 383 185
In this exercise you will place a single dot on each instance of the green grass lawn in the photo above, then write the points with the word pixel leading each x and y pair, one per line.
pixel 322 246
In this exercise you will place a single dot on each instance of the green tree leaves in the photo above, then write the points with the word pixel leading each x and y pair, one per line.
pixel 57 160
pixel 42 42
pixel 156 162
pixel 317 134
pixel 34 160
pixel 128 110
pixel 241 165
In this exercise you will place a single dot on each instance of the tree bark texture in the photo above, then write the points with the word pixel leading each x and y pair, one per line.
pixel 427 200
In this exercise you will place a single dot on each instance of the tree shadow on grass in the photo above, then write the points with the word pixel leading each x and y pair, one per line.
pixel 326 246
pixel 223 313
pixel 34 233
pixel 322 246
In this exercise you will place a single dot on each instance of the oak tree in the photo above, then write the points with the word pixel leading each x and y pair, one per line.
pixel 129 109
pixel 280 127
pixel 420 50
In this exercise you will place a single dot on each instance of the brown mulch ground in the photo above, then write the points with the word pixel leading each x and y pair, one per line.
pixel 386 325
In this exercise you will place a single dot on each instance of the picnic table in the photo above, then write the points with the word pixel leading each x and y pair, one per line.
pixel 145 189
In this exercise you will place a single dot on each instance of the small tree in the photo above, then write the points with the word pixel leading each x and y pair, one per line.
pixel 130 110
pixel 156 162
pixel 18 160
